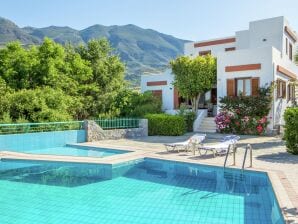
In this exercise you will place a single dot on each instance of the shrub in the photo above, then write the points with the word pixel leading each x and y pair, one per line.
pixel 130 103
pixel 245 114
pixel 188 115
pixel 228 122
pixel 291 130
pixel 164 124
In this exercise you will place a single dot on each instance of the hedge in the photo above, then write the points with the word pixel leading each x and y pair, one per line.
pixel 164 124
pixel 291 130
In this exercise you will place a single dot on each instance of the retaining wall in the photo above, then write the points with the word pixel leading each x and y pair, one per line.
pixel 95 133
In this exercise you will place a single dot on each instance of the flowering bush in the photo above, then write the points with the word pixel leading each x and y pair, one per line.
pixel 245 114
pixel 228 122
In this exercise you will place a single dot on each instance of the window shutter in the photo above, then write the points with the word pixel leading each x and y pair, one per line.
pixel 230 87
pixel 278 88
pixel 255 84
pixel 284 89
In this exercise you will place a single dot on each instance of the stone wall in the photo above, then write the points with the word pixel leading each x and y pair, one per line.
pixel 95 133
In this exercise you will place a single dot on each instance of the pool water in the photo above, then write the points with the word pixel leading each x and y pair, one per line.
pixel 72 150
pixel 142 191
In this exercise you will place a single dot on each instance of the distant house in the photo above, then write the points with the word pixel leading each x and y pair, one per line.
pixel 252 58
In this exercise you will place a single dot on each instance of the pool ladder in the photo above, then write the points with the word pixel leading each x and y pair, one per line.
pixel 248 147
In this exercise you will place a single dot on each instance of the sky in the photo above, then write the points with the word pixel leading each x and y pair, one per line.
pixel 185 19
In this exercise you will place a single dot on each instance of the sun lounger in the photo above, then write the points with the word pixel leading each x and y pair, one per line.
pixel 222 147
pixel 194 140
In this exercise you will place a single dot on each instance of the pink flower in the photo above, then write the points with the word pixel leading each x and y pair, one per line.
pixel 263 120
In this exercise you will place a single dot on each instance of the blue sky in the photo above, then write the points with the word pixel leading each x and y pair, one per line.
pixel 187 19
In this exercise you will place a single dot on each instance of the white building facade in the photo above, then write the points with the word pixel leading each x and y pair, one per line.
pixel 251 59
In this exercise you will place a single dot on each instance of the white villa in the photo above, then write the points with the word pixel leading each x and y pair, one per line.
pixel 246 61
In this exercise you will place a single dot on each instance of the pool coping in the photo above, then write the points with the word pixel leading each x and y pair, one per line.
pixel 280 185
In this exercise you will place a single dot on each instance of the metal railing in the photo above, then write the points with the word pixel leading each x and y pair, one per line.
pixel 233 146
pixel 118 123
pixel 111 123
pixel 248 147
pixel 19 128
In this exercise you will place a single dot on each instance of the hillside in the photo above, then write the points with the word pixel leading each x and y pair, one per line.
pixel 143 50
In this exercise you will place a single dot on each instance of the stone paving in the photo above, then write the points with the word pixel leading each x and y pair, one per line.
pixel 269 155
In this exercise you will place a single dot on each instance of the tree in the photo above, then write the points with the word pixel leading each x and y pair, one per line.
pixel 16 64
pixel 194 76
pixel 107 76
pixel 131 103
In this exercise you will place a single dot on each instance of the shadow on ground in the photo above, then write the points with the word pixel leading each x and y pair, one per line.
pixel 263 145
pixel 280 157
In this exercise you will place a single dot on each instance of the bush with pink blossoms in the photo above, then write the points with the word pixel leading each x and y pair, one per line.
pixel 227 122
pixel 245 114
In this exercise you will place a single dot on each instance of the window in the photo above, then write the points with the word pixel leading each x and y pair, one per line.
pixel 157 93
pixel 281 89
pixel 203 53
pixel 230 49
pixel 291 51
pixel 243 86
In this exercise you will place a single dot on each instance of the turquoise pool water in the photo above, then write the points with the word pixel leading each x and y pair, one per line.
pixel 69 150
pixel 143 191
pixel 54 143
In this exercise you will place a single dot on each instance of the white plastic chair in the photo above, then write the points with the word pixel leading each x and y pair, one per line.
pixel 194 141
pixel 222 147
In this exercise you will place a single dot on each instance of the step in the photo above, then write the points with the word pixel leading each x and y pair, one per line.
pixel 206 130
pixel 207 125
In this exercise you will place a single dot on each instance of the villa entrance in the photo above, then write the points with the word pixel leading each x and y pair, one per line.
pixel 207 101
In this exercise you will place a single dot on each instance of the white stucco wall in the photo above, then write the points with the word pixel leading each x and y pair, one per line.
pixel 167 90
pixel 242 39
pixel 269 29
pixel 280 104
pixel 243 57
pixel 190 50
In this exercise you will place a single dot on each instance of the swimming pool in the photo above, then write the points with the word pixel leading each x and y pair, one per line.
pixel 141 191
pixel 76 150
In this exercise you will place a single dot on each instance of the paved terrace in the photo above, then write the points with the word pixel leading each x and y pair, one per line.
pixel 269 154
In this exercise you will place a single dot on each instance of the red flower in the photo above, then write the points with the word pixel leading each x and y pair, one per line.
pixel 259 129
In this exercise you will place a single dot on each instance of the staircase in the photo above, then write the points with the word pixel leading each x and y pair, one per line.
pixel 207 125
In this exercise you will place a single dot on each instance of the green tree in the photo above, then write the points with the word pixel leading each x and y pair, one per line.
pixel 52 82
pixel 194 76
pixel 38 105
pixel 107 76
pixel 16 64
pixel 130 103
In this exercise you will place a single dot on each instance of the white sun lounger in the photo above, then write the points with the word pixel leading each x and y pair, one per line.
pixel 186 145
pixel 222 147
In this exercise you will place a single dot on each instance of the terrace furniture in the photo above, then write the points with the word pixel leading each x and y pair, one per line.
pixel 192 142
pixel 220 148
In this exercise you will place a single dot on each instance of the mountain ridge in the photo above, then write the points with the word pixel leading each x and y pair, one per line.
pixel 143 50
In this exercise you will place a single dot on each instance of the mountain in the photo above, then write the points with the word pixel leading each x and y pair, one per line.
pixel 10 31
pixel 143 50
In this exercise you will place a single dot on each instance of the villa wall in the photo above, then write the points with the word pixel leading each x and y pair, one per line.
pixel 167 90
pixel 39 140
